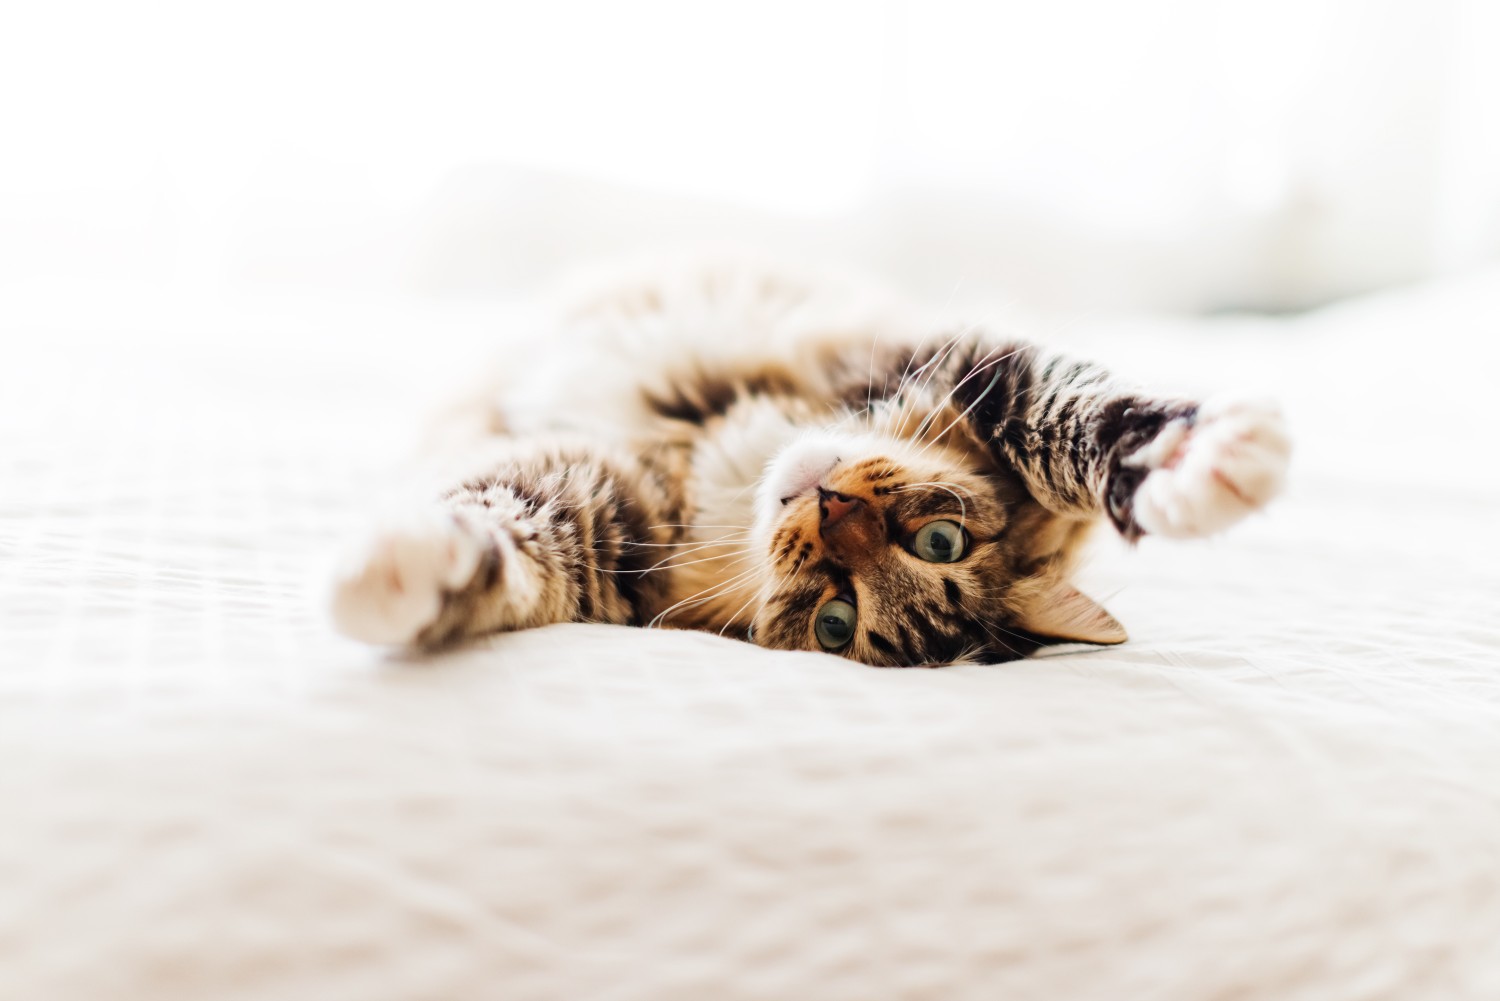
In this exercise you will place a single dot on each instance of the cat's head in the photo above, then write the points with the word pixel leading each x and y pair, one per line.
pixel 901 550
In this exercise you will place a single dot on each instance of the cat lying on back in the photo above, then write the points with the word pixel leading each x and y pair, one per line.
pixel 807 467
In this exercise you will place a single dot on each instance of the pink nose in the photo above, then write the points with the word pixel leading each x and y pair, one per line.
pixel 834 506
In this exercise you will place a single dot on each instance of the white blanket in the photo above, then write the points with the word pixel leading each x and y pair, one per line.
pixel 1287 785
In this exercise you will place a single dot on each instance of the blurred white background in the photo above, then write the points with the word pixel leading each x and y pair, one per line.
pixel 1095 154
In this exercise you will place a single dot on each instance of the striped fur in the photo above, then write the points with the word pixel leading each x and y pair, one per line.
pixel 665 469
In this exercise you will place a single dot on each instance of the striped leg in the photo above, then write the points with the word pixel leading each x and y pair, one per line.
pixel 1087 445
pixel 553 537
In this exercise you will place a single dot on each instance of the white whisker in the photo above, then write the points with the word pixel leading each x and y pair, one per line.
pixel 952 488
pixel 674 545
pixel 946 351
pixel 668 565
pixel 711 592
pixel 994 380
pixel 730 621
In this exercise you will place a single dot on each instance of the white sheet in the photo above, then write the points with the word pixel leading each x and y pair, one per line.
pixel 1286 786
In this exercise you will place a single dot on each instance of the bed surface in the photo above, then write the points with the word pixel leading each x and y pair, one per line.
pixel 1287 785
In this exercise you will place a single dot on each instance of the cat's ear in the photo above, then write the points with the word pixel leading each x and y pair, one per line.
pixel 1062 612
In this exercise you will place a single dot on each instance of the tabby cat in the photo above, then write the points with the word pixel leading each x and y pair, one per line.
pixel 803 465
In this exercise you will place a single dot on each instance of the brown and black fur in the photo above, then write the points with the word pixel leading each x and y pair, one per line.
pixel 1025 448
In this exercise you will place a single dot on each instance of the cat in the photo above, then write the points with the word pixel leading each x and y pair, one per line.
pixel 802 464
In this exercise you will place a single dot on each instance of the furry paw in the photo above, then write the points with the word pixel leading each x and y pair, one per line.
pixel 393 587
pixel 1206 476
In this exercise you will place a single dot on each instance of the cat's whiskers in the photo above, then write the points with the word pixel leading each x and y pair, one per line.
pixel 930 367
pixel 994 380
pixel 942 401
pixel 908 374
pixel 904 384
pixel 885 384
pixel 710 593
pixel 870 376
pixel 948 398
pixel 934 363
pixel 738 548
pixel 765 599
pixel 730 621
pixel 675 545
pixel 905 388
pixel 668 565
pixel 1008 648
pixel 952 488
pixel 739 541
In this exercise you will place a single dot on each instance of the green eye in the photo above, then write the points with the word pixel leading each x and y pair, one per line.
pixel 939 542
pixel 835 625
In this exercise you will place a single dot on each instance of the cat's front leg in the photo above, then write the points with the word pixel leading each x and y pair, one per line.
pixel 1088 445
pixel 560 533
pixel 1198 476
pixel 429 576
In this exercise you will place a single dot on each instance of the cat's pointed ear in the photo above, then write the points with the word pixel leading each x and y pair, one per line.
pixel 1062 612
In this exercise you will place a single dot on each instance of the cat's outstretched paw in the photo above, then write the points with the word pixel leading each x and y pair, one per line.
pixel 1206 476
pixel 391 588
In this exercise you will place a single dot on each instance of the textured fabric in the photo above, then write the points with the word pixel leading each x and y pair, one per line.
pixel 1287 785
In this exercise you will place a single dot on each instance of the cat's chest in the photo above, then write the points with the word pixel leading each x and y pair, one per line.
pixel 730 457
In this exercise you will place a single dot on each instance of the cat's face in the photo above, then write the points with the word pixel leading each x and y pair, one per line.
pixel 898 553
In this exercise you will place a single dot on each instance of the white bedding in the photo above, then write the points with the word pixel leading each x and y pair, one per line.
pixel 1286 786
